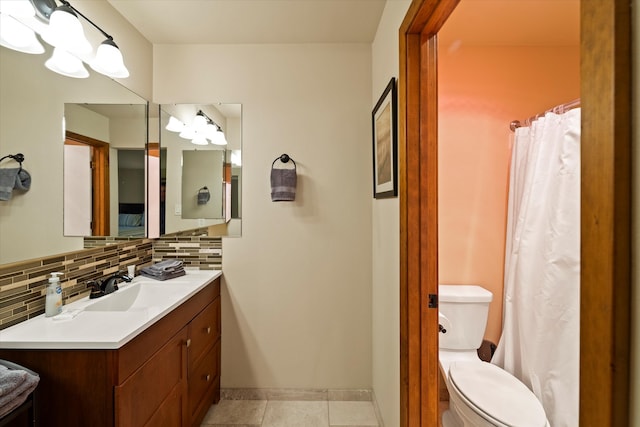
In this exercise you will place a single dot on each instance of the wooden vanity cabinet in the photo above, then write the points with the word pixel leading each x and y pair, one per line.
pixel 169 375
pixel 203 362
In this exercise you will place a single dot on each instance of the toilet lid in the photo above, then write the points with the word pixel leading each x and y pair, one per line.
pixel 497 393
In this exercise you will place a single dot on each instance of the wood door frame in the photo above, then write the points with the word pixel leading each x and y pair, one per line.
pixel 418 167
pixel 100 223
pixel 606 141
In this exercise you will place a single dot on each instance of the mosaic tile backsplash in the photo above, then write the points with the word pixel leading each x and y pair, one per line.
pixel 23 284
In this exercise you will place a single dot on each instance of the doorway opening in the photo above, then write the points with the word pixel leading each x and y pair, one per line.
pixel 605 211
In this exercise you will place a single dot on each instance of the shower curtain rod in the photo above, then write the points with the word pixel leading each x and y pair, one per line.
pixel 558 109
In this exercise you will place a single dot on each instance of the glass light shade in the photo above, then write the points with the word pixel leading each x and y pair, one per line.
pixel 108 60
pixel 174 125
pixel 199 139
pixel 199 123
pixel 210 131
pixel 219 138
pixel 62 62
pixel 17 36
pixel 65 31
pixel 236 158
pixel 17 8
pixel 188 133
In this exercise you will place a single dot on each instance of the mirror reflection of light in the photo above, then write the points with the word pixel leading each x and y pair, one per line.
pixel 236 158
pixel 199 123
pixel 218 138
pixel 187 133
pixel 199 140
pixel 174 125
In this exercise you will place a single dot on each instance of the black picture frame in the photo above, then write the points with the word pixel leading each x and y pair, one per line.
pixel 385 143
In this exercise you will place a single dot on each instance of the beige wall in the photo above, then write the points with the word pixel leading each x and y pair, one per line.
pixel 481 90
pixel 297 284
pixel 386 238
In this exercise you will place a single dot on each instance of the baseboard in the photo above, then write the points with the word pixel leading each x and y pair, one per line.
pixel 376 408
pixel 361 395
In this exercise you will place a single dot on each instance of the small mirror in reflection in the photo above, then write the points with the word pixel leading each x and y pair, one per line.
pixel 200 168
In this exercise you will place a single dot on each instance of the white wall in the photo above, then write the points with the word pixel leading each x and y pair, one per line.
pixel 297 284
pixel 386 238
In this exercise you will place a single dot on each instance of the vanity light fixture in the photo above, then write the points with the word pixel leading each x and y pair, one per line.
pixel 202 128
pixel 13 33
pixel 22 19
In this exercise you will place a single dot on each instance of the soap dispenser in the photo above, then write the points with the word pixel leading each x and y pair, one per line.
pixel 53 300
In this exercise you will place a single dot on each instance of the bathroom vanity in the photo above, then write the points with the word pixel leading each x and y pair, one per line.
pixel 150 357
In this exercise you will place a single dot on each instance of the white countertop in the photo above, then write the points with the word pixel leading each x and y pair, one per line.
pixel 106 329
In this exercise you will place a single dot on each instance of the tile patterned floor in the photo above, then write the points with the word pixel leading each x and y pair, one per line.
pixel 293 409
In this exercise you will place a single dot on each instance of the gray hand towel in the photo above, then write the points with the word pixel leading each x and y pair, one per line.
pixel 7 182
pixel 13 178
pixel 15 387
pixel 23 180
pixel 283 185
pixel 164 266
pixel 163 276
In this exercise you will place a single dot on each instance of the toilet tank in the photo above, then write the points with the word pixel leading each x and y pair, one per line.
pixel 463 312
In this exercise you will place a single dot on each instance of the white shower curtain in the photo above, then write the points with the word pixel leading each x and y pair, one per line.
pixel 541 318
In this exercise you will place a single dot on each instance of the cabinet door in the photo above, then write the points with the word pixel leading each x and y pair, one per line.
pixel 158 386
pixel 204 330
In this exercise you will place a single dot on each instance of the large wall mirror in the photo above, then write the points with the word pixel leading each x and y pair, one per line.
pixel 105 169
pixel 34 105
pixel 200 180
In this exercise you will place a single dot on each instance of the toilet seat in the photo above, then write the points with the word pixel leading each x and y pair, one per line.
pixel 496 394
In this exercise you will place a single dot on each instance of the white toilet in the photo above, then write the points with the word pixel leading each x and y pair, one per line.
pixel 480 394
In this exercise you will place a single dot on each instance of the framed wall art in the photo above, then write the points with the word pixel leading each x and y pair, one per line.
pixel 385 143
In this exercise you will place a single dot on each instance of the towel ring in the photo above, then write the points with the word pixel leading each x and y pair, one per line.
pixel 17 157
pixel 284 158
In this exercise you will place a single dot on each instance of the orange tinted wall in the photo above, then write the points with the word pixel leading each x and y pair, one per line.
pixel 481 90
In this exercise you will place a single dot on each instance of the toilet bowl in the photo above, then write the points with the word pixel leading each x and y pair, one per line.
pixel 480 394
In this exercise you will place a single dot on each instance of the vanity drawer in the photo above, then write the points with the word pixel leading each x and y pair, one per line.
pixel 202 382
pixel 204 330
pixel 149 389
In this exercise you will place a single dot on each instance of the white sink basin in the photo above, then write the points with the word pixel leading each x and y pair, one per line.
pixel 138 296
pixel 128 311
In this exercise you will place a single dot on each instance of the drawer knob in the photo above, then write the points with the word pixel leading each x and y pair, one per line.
pixel 207 377
pixel 208 329
pixel 188 342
